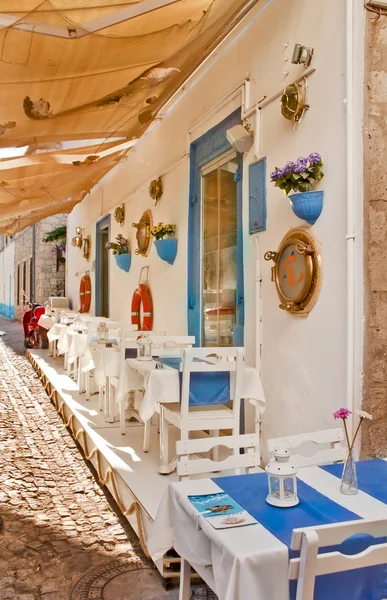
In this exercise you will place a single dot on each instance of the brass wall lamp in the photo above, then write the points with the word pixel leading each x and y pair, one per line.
pixel 77 240
pixel 297 271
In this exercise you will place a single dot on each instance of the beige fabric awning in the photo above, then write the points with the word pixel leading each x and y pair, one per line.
pixel 81 80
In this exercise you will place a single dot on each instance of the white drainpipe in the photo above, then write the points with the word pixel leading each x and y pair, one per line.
pixel 351 235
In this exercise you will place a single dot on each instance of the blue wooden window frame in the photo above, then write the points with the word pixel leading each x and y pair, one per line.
pixel 101 224
pixel 208 147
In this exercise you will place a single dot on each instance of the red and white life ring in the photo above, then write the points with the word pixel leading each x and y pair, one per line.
pixel 85 294
pixel 142 299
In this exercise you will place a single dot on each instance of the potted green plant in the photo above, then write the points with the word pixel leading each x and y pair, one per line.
pixel 301 177
pixel 121 252
pixel 166 245
pixel 58 235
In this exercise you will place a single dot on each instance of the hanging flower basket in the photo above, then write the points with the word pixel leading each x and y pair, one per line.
pixel 123 261
pixel 167 249
pixel 307 205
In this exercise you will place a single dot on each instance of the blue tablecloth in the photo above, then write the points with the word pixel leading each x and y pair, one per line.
pixel 206 388
pixel 250 492
pixel 371 476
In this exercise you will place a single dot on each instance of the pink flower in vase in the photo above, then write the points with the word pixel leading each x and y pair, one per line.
pixel 342 413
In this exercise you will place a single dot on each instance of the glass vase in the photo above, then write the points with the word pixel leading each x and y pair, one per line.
pixel 349 483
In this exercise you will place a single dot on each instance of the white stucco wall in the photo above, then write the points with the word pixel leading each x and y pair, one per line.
pixel 303 360
pixel 7 284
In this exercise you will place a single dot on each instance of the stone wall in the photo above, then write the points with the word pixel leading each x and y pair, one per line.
pixel 49 277
pixel 374 440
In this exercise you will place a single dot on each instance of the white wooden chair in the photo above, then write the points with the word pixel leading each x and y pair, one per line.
pixel 129 341
pixel 212 417
pixel 311 563
pixel 328 444
pixel 236 462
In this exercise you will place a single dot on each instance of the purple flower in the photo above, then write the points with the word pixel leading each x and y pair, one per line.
pixel 275 174
pixel 314 158
pixel 125 248
pixel 288 168
pixel 108 245
pixel 342 413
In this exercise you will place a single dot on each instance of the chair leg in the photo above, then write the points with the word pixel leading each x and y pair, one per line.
pixel 147 435
pixel 185 580
pixel 122 416
pixel 101 393
pixel 164 443
pixel 87 384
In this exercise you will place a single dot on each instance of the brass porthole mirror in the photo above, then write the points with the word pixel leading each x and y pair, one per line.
pixel 143 235
pixel 297 271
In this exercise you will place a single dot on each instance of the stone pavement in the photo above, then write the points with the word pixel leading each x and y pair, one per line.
pixel 63 537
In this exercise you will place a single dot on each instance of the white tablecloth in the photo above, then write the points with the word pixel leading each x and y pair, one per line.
pixel 249 563
pixel 105 362
pixel 162 385
pixel 63 334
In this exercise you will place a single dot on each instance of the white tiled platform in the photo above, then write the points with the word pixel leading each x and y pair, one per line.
pixel 135 472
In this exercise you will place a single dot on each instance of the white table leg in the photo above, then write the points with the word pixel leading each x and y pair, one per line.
pixel 87 384
pixel 185 580
pixel 165 467
pixel 101 394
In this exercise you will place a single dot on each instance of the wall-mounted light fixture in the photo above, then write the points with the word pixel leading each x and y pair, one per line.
pixel 77 240
pixel 240 138
pixel 302 55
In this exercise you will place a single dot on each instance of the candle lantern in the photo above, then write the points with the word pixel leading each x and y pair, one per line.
pixel 144 347
pixel 102 333
pixel 64 319
pixel 47 310
pixel 78 323
pixel 282 480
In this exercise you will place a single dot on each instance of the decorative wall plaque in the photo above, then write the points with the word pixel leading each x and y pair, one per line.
pixel 119 214
pixel 297 271
pixel 156 189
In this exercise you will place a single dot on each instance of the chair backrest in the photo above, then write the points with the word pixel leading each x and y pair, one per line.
pixel 171 345
pixel 310 564
pixel 328 444
pixel 212 360
pixel 248 461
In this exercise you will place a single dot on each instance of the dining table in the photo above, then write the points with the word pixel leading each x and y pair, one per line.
pixel 251 562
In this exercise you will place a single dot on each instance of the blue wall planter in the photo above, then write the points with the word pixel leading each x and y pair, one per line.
pixel 123 261
pixel 167 249
pixel 307 205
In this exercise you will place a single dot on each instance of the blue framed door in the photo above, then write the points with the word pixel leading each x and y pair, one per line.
pixel 215 306
pixel 102 268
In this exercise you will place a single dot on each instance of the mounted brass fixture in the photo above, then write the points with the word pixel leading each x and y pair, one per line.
pixel 77 240
pixel 293 103
pixel 86 247
pixel 143 235
pixel 297 271
pixel 156 189
pixel 119 214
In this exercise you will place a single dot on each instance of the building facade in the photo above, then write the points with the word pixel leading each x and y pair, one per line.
pixel 309 366
pixel 29 265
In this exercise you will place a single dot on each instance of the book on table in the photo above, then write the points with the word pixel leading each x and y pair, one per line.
pixel 221 511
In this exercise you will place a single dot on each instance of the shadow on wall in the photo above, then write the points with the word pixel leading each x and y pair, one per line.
pixel 7 311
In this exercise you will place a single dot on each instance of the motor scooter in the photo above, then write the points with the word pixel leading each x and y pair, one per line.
pixel 35 336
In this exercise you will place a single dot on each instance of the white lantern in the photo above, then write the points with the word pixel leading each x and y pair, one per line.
pixel 144 347
pixel 282 480
pixel 64 319
pixel 78 323
pixel 102 333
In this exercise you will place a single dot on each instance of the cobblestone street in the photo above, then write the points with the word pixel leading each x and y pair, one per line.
pixel 61 537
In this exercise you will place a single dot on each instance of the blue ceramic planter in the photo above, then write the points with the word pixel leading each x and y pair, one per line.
pixel 123 261
pixel 307 205
pixel 167 249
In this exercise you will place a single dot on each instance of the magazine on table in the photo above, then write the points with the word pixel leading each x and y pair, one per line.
pixel 221 510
